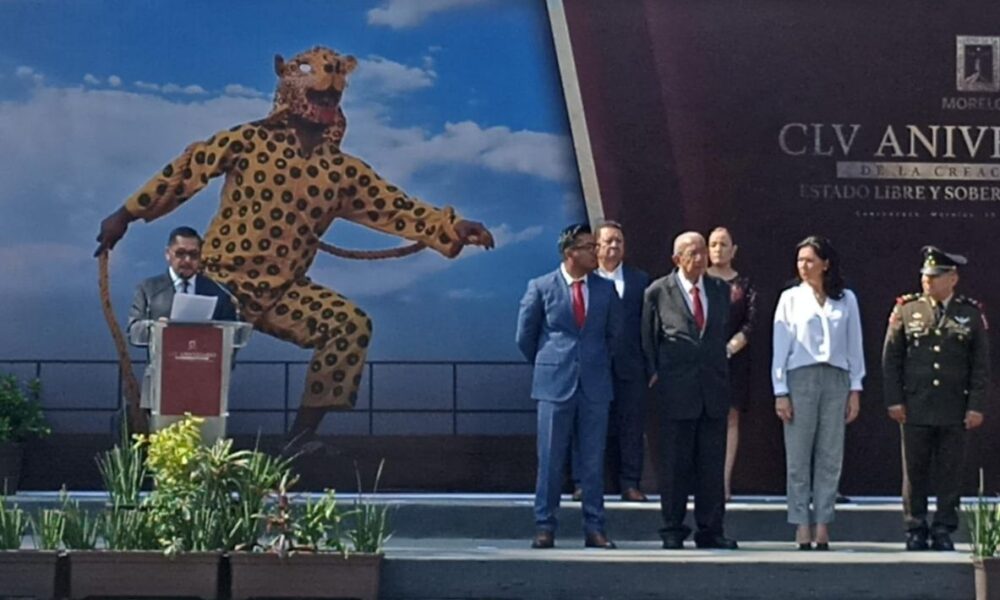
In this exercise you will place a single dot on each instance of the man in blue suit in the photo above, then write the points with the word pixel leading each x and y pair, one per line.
pixel 568 327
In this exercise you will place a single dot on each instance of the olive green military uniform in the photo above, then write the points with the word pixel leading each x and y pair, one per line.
pixel 936 363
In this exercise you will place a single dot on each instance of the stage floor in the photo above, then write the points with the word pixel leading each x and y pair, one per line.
pixel 477 546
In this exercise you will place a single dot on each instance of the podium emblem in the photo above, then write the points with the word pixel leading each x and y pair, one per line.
pixel 192 345
pixel 977 63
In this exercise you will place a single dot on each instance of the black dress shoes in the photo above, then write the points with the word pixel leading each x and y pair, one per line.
pixel 673 542
pixel 718 542
pixel 634 495
pixel 596 539
pixel 543 539
pixel 916 540
pixel 942 542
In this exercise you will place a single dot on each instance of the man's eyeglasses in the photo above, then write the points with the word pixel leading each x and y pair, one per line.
pixel 182 254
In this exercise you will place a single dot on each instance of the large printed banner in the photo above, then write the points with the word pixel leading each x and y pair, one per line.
pixel 875 124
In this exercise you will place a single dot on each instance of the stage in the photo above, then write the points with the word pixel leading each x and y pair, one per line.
pixel 477 546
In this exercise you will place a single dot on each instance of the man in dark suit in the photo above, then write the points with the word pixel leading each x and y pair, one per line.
pixel 155 296
pixel 568 327
pixel 684 335
pixel 936 373
pixel 625 422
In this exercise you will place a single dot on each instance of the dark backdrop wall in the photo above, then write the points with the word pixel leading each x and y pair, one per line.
pixel 685 106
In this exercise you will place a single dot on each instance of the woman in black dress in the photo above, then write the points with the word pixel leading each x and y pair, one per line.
pixel 742 310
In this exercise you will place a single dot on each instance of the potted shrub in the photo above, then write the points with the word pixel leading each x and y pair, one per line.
pixel 168 544
pixel 21 419
pixel 312 550
pixel 23 572
pixel 983 519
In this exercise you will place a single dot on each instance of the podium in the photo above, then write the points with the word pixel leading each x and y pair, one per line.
pixel 189 371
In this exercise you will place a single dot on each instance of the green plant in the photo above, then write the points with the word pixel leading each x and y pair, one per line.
pixel 123 471
pixel 21 416
pixel 206 498
pixel 370 529
pixel 13 525
pixel 81 530
pixel 983 519
pixel 129 529
pixel 48 529
pixel 263 473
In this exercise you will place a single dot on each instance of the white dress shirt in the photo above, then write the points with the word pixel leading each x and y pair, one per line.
pixel 687 286
pixel 616 277
pixel 569 281
pixel 806 333
pixel 179 282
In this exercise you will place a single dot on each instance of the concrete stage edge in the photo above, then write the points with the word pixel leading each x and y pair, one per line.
pixel 476 546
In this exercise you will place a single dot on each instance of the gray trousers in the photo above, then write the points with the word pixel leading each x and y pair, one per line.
pixel 814 441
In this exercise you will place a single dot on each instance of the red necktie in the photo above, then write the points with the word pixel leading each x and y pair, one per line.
pixel 699 310
pixel 579 308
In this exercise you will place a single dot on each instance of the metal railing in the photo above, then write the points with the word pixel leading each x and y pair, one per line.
pixel 286 408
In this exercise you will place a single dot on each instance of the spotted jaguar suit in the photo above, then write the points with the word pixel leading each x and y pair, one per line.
pixel 278 198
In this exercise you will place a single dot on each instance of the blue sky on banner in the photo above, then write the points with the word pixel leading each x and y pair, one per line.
pixel 457 101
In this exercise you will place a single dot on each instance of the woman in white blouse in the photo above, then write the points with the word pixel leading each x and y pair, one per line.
pixel 816 370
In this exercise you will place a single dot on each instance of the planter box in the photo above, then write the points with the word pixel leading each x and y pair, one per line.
pixel 28 573
pixel 323 575
pixel 11 459
pixel 136 574
pixel 987 578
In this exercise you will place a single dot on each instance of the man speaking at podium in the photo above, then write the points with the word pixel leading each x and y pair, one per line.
pixel 154 297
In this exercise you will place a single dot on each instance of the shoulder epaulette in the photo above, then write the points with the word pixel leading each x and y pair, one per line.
pixel 969 301
pixel 978 305
pixel 905 298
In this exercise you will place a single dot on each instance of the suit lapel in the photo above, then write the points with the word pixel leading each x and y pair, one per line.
pixel 594 299
pixel 563 300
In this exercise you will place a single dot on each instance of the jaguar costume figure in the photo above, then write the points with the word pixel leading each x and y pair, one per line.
pixel 286 181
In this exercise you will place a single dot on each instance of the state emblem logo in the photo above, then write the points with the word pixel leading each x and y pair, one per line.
pixel 977 63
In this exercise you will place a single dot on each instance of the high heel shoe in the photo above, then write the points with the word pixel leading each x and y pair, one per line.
pixel 823 546
pixel 805 546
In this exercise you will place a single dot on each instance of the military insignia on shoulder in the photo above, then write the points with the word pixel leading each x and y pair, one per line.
pixel 977 305
pixel 962 320
pixel 905 298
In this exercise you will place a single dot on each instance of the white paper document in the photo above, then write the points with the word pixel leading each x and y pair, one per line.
pixel 192 308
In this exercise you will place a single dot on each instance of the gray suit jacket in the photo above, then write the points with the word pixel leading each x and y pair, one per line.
pixel 155 296
pixel 693 369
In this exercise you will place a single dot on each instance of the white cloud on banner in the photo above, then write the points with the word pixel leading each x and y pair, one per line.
pixel 379 76
pixel 89 79
pixel 115 81
pixel 235 89
pixel 402 152
pixel 29 73
pixel 400 14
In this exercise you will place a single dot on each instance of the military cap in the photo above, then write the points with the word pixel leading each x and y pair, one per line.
pixel 937 261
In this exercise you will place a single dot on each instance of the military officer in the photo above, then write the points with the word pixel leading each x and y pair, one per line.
pixel 935 363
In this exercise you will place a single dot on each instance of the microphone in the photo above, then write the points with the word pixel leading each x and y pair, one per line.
pixel 230 294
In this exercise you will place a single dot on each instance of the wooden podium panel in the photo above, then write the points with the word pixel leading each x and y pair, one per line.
pixel 191 363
